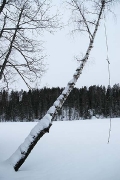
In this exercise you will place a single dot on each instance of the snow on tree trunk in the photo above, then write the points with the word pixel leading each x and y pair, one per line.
pixel 20 155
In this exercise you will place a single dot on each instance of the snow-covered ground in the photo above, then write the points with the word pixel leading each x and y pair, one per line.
pixel 73 150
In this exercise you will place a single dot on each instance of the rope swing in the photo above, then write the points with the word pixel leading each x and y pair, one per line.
pixel 109 75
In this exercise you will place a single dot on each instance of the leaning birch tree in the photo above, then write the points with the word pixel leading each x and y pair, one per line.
pixel 20 155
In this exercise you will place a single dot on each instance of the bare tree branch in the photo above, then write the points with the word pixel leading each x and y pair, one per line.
pixel 83 17
pixel 19 37
pixel 2 5
pixel 4 23
pixel 21 75
pixel 10 47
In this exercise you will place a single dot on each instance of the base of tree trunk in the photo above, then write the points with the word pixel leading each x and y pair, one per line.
pixel 21 161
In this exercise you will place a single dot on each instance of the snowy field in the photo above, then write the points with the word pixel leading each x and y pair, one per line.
pixel 73 150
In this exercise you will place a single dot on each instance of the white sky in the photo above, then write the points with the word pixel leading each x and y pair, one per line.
pixel 62 47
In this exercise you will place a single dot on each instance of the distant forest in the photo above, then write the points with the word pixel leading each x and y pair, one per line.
pixel 83 103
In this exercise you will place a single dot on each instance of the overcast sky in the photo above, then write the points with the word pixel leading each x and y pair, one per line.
pixel 63 47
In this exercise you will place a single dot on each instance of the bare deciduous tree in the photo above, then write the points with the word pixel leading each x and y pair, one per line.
pixel 18 158
pixel 22 24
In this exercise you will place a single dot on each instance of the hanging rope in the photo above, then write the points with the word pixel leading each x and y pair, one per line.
pixel 109 76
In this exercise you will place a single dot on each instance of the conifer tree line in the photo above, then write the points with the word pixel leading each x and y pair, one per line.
pixel 83 103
